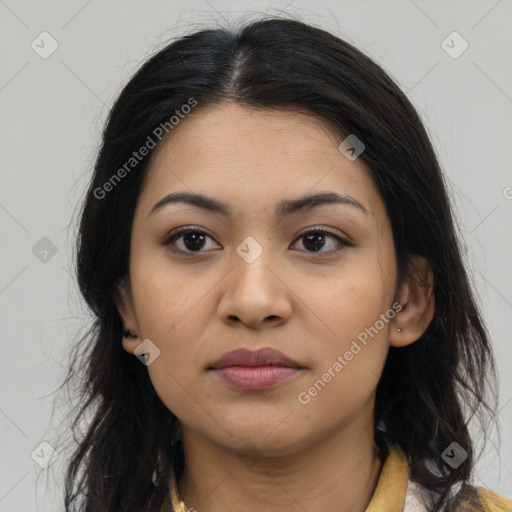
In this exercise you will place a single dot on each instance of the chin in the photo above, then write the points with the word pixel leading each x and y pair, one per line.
pixel 263 439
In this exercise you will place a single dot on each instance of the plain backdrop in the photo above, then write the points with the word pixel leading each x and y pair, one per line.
pixel 52 109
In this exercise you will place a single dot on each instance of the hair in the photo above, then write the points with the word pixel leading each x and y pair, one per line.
pixel 428 392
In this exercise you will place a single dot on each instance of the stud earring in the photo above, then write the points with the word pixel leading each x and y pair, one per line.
pixel 398 329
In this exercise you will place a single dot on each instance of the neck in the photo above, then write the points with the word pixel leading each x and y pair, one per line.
pixel 339 472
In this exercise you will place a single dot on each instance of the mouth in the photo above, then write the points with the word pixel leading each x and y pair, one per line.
pixel 262 357
pixel 255 370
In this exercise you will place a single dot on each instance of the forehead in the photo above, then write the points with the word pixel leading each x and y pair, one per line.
pixel 255 157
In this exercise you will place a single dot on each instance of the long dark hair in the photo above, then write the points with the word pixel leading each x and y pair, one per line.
pixel 429 390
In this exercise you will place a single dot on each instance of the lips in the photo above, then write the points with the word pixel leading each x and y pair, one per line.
pixel 255 370
pixel 261 357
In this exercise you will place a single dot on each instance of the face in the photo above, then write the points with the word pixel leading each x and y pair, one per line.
pixel 255 276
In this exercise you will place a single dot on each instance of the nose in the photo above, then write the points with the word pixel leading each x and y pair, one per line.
pixel 255 293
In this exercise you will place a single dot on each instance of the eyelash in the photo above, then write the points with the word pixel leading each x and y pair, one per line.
pixel 192 229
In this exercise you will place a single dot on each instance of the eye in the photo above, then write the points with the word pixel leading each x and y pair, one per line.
pixel 193 239
pixel 315 239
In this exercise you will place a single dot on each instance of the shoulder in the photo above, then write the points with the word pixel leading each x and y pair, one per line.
pixel 478 499
pixel 485 500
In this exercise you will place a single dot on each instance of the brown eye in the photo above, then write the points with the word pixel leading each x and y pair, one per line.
pixel 187 240
pixel 315 240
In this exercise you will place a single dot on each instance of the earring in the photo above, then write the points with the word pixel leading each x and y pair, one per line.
pixel 128 334
pixel 398 329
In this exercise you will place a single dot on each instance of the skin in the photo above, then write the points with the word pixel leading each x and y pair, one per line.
pixel 309 305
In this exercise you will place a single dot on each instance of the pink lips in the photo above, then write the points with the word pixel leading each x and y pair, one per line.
pixel 256 369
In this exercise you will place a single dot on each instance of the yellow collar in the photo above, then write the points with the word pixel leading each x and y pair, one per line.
pixel 389 495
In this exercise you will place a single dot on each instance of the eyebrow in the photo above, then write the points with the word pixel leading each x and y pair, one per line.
pixel 284 208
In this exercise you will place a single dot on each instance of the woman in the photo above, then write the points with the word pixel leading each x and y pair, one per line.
pixel 283 320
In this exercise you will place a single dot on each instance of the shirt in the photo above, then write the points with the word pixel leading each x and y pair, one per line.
pixel 396 492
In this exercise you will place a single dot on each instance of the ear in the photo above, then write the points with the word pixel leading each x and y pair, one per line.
pixel 125 307
pixel 416 295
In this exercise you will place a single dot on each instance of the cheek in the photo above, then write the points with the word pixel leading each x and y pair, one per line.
pixel 360 338
pixel 171 312
pixel 350 361
pixel 165 295
pixel 357 312
pixel 355 298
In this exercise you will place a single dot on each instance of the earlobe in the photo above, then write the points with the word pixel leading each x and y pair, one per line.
pixel 125 308
pixel 418 304
pixel 130 341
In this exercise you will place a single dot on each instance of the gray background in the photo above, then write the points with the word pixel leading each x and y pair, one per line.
pixel 52 111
